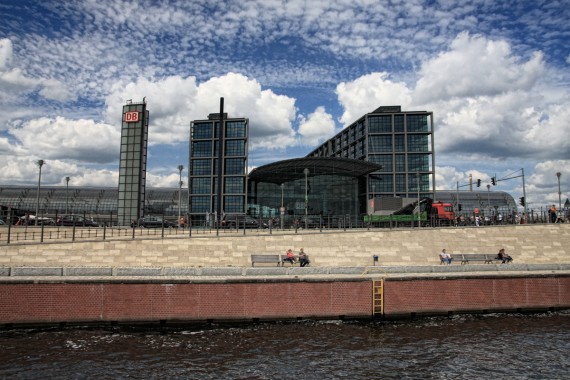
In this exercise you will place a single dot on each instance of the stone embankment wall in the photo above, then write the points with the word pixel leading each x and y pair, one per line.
pixel 529 244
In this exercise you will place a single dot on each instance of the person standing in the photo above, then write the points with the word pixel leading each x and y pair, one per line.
pixel 552 213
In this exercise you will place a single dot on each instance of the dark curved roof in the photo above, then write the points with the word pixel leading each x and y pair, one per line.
pixel 290 170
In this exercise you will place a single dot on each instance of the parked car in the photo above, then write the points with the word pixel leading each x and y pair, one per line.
pixel 76 220
pixel 154 222
pixel 241 221
pixel 31 219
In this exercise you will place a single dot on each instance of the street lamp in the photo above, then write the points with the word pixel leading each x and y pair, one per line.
pixel 489 198
pixel 306 172
pixel 282 210
pixel 419 208
pixel 40 163
pixel 66 193
pixel 180 168
pixel 558 174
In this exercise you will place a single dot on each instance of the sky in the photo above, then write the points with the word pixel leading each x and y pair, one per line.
pixel 495 74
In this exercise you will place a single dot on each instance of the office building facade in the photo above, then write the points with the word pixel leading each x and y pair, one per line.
pixel 203 174
pixel 401 142
pixel 132 163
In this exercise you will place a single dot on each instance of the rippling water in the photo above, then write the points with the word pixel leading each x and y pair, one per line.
pixel 496 346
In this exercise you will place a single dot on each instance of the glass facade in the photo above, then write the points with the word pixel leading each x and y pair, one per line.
pixel 203 173
pixel 322 189
pixel 401 141
pixel 132 163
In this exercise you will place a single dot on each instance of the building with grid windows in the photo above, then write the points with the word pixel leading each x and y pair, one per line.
pixel 132 164
pixel 401 142
pixel 203 173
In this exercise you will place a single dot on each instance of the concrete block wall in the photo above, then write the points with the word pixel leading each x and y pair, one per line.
pixel 528 244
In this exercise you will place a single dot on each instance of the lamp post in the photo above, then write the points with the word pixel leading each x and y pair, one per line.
pixel 558 174
pixel 306 172
pixel 180 168
pixel 419 208
pixel 66 193
pixel 489 198
pixel 40 163
pixel 282 209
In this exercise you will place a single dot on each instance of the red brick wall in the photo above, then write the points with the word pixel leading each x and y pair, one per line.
pixel 442 296
pixel 69 302
pixel 80 302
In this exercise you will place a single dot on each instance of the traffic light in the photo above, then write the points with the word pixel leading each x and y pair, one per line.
pixel 459 207
pixel 478 183
pixel 521 201
pixel 493 181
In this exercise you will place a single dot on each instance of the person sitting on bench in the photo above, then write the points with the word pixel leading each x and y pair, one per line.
pixel 445 257
pixel 503 256
pixel 290 257
pixel 303 258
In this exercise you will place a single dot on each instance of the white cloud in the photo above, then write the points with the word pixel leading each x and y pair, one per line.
pixel 174 102
pixel 318 127
pixel 5 53
pixel 76 140
pixel 14 82
pixel 476 66
pixel 367 93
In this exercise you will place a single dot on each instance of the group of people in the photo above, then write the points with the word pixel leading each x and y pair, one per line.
pixel 445 258
pixel 302 257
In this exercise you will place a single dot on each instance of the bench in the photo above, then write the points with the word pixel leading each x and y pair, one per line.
pixel 484 257
pixel 266 259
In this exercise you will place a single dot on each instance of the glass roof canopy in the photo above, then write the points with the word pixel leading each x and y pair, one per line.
pixel 293 169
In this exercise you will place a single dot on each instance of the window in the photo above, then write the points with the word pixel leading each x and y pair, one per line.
pixel 233 203
pixel 234 185
pixel 201 149
pixel 201 167
pixel 417 123
pixel 235 148
pixel 380 124
pixel 235 166
pixel 202 131
pixel 378 144
pixel 235 129
pixel 200 185
pixel 418 143
pixel 200 204
pixel 384 160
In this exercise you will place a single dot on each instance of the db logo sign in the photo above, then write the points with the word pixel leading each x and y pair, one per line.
pixel 131 117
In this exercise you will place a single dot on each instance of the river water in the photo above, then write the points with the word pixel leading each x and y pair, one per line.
pixel 493 346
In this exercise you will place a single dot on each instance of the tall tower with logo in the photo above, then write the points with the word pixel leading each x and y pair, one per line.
pixel 132 166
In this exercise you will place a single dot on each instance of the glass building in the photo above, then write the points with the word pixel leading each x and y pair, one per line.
pixel 132 163
pixel 401 142
pixel 204 157
pixel 100 203
pixel 318 188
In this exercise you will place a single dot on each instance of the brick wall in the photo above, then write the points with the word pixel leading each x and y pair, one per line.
pixel 490 294
pixel 69 302
pixel 245 301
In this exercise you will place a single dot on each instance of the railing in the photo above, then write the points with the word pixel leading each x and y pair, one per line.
pixel 29 234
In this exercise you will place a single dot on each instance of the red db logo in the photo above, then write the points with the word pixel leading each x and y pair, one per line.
pixel 131 117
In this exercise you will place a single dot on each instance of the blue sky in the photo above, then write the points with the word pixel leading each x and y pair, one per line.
pixel 495 74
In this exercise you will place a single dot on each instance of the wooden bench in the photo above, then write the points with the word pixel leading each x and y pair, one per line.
pixel 484 257
pixel 266 259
